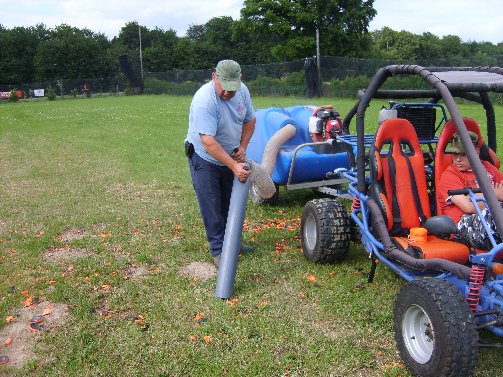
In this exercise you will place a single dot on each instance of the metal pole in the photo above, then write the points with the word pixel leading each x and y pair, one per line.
pixel 141 60
pixel 318 62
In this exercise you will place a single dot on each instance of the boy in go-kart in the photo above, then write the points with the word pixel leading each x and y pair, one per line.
pixel 459 207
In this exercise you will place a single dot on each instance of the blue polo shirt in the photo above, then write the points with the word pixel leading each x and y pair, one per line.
pixel 212 116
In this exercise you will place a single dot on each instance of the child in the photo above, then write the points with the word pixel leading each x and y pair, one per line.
pixel 459 175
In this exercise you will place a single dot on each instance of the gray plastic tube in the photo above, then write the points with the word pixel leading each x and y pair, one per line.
pixel 272 147
pixel 232 239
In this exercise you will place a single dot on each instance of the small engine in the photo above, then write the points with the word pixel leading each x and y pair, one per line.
pixel 329 123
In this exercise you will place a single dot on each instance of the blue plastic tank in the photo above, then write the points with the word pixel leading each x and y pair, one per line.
pixel 312 163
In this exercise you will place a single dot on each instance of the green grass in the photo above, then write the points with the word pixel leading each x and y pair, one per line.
pixel 114 167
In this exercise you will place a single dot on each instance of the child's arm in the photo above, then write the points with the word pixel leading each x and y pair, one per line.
pixel 498 189
pixel 464 203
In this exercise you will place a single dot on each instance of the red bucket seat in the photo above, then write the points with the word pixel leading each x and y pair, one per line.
pixel 443 160
pixel 398 185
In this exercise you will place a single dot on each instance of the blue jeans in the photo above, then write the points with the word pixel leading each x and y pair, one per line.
pixel 213 186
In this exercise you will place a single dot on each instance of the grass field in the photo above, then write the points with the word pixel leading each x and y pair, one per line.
pixel 98 220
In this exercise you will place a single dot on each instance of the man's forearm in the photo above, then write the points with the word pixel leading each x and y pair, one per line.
pixel 216 150
pixel 247 133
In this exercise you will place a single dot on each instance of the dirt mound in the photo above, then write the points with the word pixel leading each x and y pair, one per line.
pixel 136 273
pixel 22 337
pixel 66 253
pixel 199 270
pixel 71 235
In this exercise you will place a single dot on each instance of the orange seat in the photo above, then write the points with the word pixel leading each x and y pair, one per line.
pixel 443 160
pixel 398 185
pixel 436 248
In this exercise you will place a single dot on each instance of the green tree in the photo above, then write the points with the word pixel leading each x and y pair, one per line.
pixel 158 46
pixel 452 46
pixel 129 36
pixel 73 53
pixel 158 59
pixel 253 45
pixel 18 46
pixel 402 46
pixel 204 45
pixel 342 25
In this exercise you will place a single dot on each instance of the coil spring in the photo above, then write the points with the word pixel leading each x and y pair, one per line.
pixel 476 279
pixel 356 203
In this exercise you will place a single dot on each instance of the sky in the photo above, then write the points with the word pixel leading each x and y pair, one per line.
pixel 480 21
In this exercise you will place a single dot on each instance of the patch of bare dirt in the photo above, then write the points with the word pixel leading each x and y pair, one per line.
pixel 55 254
pixel 136 272
pixel 99 227
pixel 71 235
pixel 199 270
pixel 22 338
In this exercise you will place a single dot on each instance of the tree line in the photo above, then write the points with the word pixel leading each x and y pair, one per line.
pixel 267 32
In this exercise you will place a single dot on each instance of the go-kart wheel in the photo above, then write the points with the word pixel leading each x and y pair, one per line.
pixel 356 235
pixel 325 231
pixel 258 200
pixel 434 329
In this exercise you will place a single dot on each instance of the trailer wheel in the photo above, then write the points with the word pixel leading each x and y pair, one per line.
pixel 325 231
pixel 435 330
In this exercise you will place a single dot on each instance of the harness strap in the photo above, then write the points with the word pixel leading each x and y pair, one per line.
pixel 415 193
pixel 395 208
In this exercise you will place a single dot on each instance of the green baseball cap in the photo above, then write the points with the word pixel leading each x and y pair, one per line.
pixel 456 145
pixel 229 75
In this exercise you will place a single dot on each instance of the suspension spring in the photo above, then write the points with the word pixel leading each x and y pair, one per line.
pixel 355 204
pixel 476 279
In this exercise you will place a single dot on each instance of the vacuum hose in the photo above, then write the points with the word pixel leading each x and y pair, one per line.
pixel 273 145
pixel 394 253
pixel 232 239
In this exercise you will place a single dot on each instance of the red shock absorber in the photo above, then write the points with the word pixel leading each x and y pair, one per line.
pixel 356 203
pixel 474 285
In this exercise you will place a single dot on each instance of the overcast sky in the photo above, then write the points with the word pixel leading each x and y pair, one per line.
pixel 479 21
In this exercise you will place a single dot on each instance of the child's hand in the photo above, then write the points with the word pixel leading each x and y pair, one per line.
pixel 498 189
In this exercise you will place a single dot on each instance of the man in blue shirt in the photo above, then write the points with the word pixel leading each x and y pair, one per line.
pixel 221 123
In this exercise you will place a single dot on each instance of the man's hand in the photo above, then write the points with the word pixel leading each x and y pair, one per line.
pixel 216 150
pixel 239 155
pixel 239 171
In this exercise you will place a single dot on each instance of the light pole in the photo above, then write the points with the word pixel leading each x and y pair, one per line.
pixel 318 62
pixel 141 60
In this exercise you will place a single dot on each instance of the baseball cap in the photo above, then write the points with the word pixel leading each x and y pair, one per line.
pixel 457 147
pixel 229 74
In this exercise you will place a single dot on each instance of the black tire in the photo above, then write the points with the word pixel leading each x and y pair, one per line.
pixel 356 235
pixel 435 331
pixel 325 231
pixel 258 200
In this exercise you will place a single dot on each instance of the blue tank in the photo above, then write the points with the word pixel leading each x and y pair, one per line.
pixel 312 163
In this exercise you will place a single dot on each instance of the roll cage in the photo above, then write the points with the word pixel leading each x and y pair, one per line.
pixel 447 83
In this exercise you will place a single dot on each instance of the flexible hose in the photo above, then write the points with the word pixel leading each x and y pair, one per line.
pixel 394 253
pixel 272 147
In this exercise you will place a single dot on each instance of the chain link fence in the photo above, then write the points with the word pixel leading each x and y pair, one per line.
pixel 66 87
pixel 287 78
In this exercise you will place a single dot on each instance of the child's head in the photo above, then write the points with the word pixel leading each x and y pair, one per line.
pixel 459 159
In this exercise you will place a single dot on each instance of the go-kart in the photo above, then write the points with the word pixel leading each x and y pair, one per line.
pixel 452 289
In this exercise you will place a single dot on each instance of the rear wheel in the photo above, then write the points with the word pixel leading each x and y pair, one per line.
pixel 434 329
pixel 325 231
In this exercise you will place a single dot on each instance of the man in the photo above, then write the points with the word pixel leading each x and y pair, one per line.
pixel 221 123
pixel 459 207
